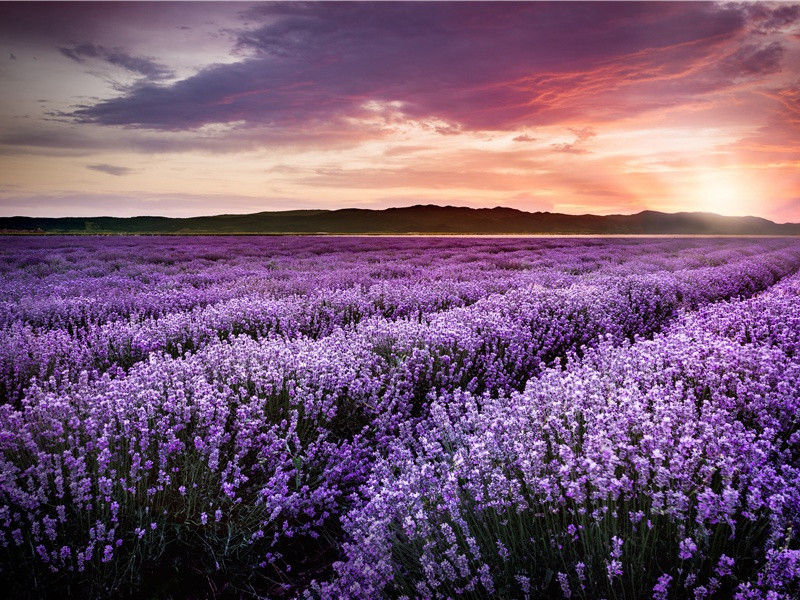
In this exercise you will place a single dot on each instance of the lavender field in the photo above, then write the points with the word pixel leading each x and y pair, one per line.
pixel 321 417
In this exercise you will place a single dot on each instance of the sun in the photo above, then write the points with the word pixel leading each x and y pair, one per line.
pixel 723 191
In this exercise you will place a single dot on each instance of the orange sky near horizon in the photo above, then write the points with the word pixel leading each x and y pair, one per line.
pixel 207 108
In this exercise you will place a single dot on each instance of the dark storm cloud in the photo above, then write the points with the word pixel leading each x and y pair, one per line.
pixel 117 57
pixel 472 65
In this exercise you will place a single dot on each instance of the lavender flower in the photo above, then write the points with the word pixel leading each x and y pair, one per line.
pixel 472 415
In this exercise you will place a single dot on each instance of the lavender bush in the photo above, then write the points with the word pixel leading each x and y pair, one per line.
pixel 665 468
pixel 437 417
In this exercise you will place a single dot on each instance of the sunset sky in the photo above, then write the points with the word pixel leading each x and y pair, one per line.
pixel 184 109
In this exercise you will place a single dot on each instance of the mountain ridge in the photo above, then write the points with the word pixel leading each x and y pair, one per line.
pixel 417 219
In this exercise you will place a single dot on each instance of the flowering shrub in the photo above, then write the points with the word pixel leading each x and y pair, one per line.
pixel 668 467
pixel 451 417
pixel 87 306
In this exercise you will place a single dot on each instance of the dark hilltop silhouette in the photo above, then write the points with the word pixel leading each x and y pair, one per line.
pixel 420 219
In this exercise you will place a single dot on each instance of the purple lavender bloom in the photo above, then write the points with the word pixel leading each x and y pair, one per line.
pixel 687 549
pixel 661 588
pixel 470 415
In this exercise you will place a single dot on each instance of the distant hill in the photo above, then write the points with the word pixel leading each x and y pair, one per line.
pixel 426 219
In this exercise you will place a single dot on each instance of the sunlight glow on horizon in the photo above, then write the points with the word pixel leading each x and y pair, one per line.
pixel 577 108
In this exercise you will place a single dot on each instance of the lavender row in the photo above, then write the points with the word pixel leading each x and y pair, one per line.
pixel 62 354
pixel 71 284
pixel 65 282
pixel 256 445
pixel 667 469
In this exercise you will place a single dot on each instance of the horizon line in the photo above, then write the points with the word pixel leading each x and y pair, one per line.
pixel 440 206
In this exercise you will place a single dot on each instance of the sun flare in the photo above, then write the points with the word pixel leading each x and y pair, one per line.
pixel 723 191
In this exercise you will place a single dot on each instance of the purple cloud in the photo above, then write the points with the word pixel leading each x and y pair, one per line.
pixel 755 60
pixel 110 169
pixel 471 65
pixel 770 18
pixel 117 57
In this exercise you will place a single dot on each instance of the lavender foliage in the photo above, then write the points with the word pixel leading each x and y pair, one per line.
pixel 437 417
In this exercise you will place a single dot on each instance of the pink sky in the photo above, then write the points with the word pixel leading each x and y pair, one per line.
pixel 204 108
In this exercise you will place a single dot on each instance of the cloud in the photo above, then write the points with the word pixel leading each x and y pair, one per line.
pixel 449 129
pixel 582 134
pixel 569 148
pixel 72 203
pixel 110 169
pixel 783 16
pixel 768 18
pixel 404 150
pixel 140 65
pixel 755 60
pixel 62 139
pixel 322 63
pixel 343 103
